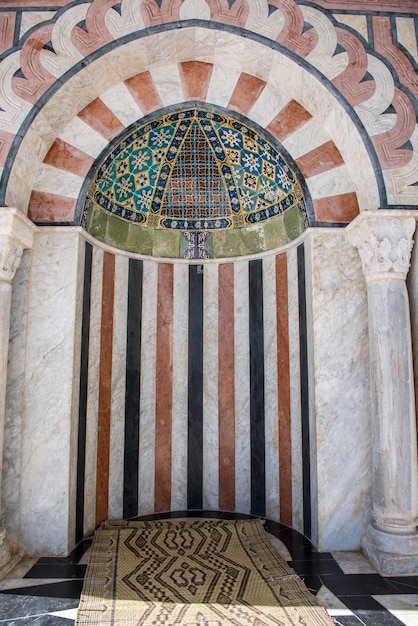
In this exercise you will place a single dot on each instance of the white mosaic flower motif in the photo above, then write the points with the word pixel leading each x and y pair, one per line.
pixel 140 160
pixel 230 138
pixel 251 162
pixel 145 199
pixel 268 191
pixel 161 137
pixel 246 200
pixel 124 186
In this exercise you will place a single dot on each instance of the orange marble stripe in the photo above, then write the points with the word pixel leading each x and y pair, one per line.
pixel 36 79
pixel 105 389
pixel 226 387
pixel 233 13
pixel 283 391
pixel 246 93
pixel 289 119
pixel 195 78
pixel 389 145
pixel 51 208
pixel 96 33
pixel 342 208
pixel 161 12
pixel 292 35
pixel 164 388
pixel 67 157
pixel 144 92
pixel 321 159
pixel 101 119
pixel 350 81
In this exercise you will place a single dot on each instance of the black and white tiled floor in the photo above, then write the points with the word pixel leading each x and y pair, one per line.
pixel 45 591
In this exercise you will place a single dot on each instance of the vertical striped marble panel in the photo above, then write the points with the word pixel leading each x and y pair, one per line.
pixel 194 397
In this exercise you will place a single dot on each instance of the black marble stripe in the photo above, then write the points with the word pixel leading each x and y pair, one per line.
pixel 82 406
pixel 132 389
pixel 195 390
pixel 257 416
pixel 304 394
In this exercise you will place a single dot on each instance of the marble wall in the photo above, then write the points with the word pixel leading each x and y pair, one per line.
pixel 139 385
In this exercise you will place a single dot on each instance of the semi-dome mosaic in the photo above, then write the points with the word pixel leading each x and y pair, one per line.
pixel 193 171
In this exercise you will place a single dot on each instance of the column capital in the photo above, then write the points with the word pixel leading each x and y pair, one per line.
pixel 384 241
pixel 16 234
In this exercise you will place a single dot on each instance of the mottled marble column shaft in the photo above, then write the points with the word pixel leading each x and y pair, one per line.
pixel 16 233
pixel 384 241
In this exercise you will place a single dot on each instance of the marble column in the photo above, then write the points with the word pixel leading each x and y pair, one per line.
pixel 384 241
pixel 16 234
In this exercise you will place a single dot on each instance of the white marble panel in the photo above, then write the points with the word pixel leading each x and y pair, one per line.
pixel 51 390
pixel 268 105
pixel 29 19
pixel 117 410
pixel 402 606
pixel 222 84
pixel 92 409
pixel 342 448
pixel 295 405
pixel 356 22
pixel 330 183
pixel 180 385
pixel 242 389
pixel 210 389
pixel 194 9
pixel 79 134
pixel 10 487
pixel 407 36
pixel 270 388
pixel 121 102
pixel 146 469
pixel 353 563
pixel 168 83
pixel 306 138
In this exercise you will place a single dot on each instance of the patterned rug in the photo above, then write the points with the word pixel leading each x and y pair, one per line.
pixel 184 573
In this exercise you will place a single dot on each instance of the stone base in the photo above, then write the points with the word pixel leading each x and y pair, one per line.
pixel 392 554
pixel 9 556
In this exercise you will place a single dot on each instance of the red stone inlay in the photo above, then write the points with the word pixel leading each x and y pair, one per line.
pixel 342 208
pixel 37 78
pixel 7 26
pixel 389 145
pixel 6 140
pixel 349 81
pixel 153 14
pixel 236 15
pixel 101 119
pixel 321 159
pixel 246 93
pixel 226 387
pixel 283 389
pixel 289 119
pixel 67 157
pixel 97 34
pixel 382 32
pixel 164 387
pixel 105 390
pixel 292 36
pixel 51 208
pixel 195 78
pixel 144 92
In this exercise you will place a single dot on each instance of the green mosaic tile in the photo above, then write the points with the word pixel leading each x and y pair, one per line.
pixel 117 233
pixel 140 239
pixel 293 221
pixel 252 239
pixel 98 226
pixel 166 244
pixel 275 234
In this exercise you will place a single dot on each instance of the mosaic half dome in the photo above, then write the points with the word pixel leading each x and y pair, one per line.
pixel 193 175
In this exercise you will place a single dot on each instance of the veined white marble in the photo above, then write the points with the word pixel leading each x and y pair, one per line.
pixel 268 105
pixel 168 83
pixel 146 466
pixel 210 389
pixel 342 448
pixel 180 385
pixel 222 84
pixel 117 411
pixel 92 409
pixel 50 386
pixel 270 388
pixel 79 134
pixel 50 179
pixel 306 138
pixel 242 389
pixel 121 102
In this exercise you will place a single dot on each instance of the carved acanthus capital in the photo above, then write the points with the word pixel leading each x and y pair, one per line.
pixel 384 243
pixel 16 234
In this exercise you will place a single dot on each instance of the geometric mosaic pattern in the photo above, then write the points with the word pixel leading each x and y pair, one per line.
pixel 194 170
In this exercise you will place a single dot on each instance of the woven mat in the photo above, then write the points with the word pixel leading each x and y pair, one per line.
pixel 206 573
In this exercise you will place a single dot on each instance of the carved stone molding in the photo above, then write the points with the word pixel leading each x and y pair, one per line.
pixel 16 234
pixel 384 241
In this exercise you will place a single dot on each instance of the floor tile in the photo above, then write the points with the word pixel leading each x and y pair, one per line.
pixel 370 611
pixel 14 606
pixel 353 563
pixel 404 607
pixel 58 570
